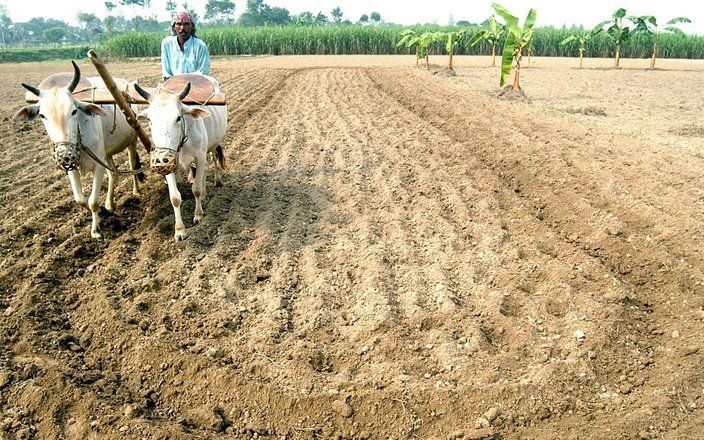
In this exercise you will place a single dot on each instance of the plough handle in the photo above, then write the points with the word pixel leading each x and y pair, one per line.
pixel 120 99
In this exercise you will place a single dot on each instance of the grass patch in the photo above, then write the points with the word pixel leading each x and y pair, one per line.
pixel 32 54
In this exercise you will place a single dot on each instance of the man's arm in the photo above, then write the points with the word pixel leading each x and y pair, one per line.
pixel 165 60
pixel 203 60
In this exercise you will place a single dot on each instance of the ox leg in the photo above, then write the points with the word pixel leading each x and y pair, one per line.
pixel 217 173
pixel 175 196
pixel 198 188
pixel 112 181
pixel 134 164
pixel 219 160
pixel 94 201
pixel 74 178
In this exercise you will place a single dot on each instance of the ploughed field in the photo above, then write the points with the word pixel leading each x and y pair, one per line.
pixel 396 253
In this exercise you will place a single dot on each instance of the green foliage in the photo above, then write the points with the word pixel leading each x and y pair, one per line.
pixel 33 54
pixel 517 37
pixel 581 36
pixel 259 13
pixel 219 10
pixel 616 28
pixel 495 31
pixel 336 14
pixel 55 35
pixel 361 39
pixel 649 25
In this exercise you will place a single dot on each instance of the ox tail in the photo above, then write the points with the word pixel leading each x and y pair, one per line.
pixel 141 177
pixel 220 157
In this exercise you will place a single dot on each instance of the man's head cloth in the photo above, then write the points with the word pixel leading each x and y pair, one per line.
pixel 183 17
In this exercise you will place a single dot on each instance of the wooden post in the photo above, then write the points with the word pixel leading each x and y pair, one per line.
pixel 120 99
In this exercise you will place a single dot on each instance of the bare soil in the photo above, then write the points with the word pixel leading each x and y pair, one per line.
pixel 394 254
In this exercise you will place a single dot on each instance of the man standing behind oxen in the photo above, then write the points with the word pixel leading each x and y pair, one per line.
pixel 183 52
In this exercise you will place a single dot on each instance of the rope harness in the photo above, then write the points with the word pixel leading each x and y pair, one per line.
pixel 68 158
pixel 165 160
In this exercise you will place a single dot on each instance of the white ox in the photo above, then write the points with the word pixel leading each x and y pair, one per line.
pixel 72 125
pixel 183 135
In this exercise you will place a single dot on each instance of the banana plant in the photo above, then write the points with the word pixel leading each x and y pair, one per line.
pixel 492 35
pixel 410 39
pixel 582 36
pixel 425 41
pixel 457 38
pixel 648 24
pixel 617 29
pixel 452 40
pixel 518 37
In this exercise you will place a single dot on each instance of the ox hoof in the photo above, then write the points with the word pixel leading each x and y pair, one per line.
pixel 197 220
pixel 82 203
pixel 96 235
pixel 180 236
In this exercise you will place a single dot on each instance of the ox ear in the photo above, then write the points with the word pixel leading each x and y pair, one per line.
pixel 26 113
pixel 91 109
pixel 197 113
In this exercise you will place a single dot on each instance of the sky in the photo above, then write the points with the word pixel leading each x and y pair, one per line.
pixel 550 12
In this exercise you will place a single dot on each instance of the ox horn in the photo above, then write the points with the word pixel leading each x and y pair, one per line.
pixel 143 93
pixel 76 77
pixel 34 90
pixel 184 92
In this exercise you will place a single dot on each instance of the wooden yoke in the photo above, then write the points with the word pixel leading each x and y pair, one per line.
pixel 120 99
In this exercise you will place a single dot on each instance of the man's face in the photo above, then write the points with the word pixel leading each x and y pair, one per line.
pixel 183 29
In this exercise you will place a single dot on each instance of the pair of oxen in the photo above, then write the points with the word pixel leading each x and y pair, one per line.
pixel 83 135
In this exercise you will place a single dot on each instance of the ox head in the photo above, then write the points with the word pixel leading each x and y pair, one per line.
pixel 58 110
pixel 169 120
pixel 168 117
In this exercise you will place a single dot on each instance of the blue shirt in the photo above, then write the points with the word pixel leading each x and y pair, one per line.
pixel 193 58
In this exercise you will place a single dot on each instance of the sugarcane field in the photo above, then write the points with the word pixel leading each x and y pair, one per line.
pixel 354 246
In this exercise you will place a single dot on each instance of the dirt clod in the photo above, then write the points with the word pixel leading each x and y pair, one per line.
pixel 385 237
pixel 342 408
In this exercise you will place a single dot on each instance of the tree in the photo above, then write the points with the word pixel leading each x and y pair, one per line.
pixel 320 19
pixel 171 8
pixel 411 40
pixel 375 17
pixel 136 4
pixel 258 14
pixel 5 23
pixel 582 37
pixel 277 16
pixel 109 6
pixel 220 10
pixel 648 24
pixel 54 35
pixel 303 19
pixel 494 32
pixel 90 23
pixel 517 38
pixel 364 19
pixel 455 39
pixel 618 31
pixel 252 16
pixel 336 14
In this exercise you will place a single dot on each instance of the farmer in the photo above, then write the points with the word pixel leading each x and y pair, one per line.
pixel 183 52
